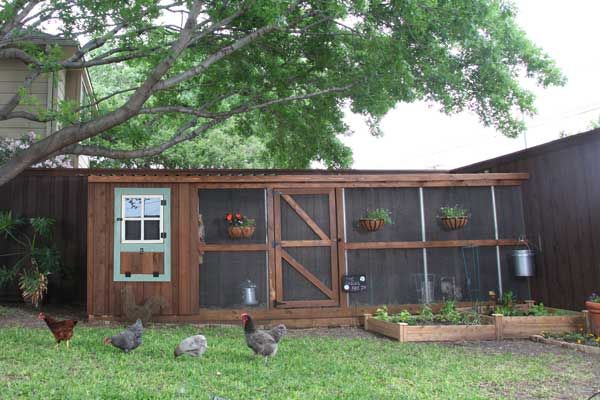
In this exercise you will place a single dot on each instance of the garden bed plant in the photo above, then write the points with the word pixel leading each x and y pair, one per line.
pixel 582 338
pixel 448 315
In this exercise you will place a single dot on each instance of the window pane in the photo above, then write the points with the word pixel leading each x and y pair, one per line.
pixel 151 230
pixel 133 230
pixel 133 207
pixel 152 207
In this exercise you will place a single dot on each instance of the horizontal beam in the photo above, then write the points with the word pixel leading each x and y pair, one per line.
pixel 306 243
pixel 355 180
pixel 233 247
pixel 430 244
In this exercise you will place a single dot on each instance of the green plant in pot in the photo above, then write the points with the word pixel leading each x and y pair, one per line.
pixel 374 220
pixel 593 306
pixel 32 257
pixel 453 217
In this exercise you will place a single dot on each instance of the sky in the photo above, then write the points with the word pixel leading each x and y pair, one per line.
pixel 417 136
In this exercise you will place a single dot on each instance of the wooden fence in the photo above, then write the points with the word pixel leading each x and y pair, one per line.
pixel 562 214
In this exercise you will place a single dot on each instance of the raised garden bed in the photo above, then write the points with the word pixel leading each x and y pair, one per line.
pixel 585 343
pixel 489 327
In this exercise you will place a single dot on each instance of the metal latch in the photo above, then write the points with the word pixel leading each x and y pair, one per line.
pixel 141 250
pixel 163 202
pixel 163 235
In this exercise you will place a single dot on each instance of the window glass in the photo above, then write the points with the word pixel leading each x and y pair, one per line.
pixel 133 230
pixel 133 207
pixel 151 230
pixel 152 207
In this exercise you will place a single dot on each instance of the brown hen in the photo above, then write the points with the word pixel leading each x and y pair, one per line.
pixel 62 330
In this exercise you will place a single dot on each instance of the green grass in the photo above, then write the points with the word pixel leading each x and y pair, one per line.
pixel 304 368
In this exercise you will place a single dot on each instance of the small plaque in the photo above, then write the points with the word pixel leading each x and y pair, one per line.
pixel 354 283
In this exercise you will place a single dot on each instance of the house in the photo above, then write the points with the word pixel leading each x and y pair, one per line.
pixel 48 90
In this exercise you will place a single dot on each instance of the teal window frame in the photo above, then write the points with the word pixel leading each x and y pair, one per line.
pixel 120 247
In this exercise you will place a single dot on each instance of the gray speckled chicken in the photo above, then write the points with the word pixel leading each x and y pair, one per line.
pixel 262 342
pixel 129 339
pixel 193 346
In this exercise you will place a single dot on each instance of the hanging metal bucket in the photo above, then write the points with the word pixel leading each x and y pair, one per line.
pixel 524 262
pixel 249 293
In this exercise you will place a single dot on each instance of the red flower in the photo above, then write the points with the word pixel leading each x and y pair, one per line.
pixel 238 216
pixel 229 217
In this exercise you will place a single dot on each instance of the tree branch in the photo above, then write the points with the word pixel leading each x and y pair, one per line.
pixel 6 110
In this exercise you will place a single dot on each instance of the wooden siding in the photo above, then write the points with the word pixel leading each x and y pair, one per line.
pixel 181 294
pixel 12 74
pixel 63 198
pixel 561 214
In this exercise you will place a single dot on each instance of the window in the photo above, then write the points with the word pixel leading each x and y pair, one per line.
pixel 142 220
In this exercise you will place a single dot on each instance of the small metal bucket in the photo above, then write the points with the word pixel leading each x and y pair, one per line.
pixel 524 262
pixel 249 293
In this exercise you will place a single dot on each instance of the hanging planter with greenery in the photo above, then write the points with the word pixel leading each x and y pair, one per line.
pixel 36 257
pixel 453 218
pixel 240 226
pixel 375 219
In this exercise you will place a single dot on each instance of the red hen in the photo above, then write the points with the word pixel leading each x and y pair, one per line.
pixel 62 330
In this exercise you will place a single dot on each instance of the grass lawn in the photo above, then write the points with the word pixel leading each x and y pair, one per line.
pixel 306 367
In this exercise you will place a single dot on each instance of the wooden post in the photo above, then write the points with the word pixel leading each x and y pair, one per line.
pixel 588 322
pixel 367 316
pixel 499 325
pixel 402 331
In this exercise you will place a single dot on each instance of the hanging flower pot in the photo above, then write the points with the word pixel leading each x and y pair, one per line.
pixel 235 232
pixel 371 225
pixel 454 223
pixel 374 220
pixel 239 226
pixel 453 218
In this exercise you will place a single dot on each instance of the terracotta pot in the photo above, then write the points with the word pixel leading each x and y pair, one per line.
pixel 235 232
pixel 371 225
pixel 248 231
pixel 594 313
pixel 454 223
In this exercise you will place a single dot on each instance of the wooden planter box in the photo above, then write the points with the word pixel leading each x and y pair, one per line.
pixel 430 333
pixel 500 328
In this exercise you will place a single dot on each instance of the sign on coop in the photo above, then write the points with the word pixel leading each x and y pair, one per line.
pixel 354 283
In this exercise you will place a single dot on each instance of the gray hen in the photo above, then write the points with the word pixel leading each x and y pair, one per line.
pixel 129 339
pixel 193 346
pixel 262 342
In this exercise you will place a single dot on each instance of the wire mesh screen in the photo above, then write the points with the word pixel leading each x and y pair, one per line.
pixel 463 273
pixel 478 202
pixel 393 276
pixel 509 208
pixel 224 273
pixel 317 208
pixel 518 285
pixel 214 204
pixel 317 261
pixel 405 208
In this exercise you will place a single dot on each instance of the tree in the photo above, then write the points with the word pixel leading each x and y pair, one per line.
pixel 279 69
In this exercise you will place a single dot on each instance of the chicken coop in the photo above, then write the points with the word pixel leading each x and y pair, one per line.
pixel 291 246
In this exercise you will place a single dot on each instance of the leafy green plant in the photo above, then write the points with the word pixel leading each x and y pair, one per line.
pixel 538 310
pixel 453 212
pixel 36 257
pixel 448 315
pixel 380 213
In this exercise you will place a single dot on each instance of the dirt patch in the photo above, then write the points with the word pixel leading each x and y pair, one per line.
pixel 23 315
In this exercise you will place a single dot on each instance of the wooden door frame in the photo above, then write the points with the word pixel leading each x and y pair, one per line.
pixel 279 245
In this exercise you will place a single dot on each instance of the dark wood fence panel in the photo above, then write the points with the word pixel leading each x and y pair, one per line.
pixel 561 213
pixel 63 198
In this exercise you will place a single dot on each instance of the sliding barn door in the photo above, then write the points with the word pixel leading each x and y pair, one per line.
pixel 305 248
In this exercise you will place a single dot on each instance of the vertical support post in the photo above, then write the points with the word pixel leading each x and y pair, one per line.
pixel 367 316
pixel 498 263
pixel 499 325
pixel 402 326
pixel 270 215
pixel 424 239
pixel 340 200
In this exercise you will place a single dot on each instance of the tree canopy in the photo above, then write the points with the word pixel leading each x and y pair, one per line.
pixel 276 72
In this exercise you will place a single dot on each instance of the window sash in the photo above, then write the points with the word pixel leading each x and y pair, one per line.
pixel 141 218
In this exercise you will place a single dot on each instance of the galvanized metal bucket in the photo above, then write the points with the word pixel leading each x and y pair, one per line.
pixel 249 293
pixel 524 262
